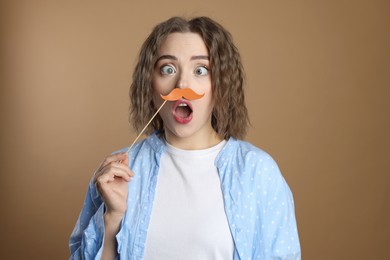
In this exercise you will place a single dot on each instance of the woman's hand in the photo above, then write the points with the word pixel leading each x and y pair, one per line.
pixel 111 180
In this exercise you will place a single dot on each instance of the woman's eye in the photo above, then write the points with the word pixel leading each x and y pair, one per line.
pixel 167 70
pixel 201 71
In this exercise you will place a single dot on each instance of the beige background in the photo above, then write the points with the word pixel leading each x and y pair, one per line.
pixel 318 94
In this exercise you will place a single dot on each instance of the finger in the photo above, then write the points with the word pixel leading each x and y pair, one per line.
pixel 120 165
pixel 124 163
pixel 126 160
pixel 114 158
pixel 112 167
pixel 110 174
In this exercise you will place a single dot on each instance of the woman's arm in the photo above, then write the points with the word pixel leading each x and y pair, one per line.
pixel 112 224
pixel 112 179
pixel 98 224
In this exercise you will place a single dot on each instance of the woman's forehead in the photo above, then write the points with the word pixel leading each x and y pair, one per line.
pixel 183 43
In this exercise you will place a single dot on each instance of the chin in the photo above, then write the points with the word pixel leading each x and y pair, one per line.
pixel 182 133
pixel 192 129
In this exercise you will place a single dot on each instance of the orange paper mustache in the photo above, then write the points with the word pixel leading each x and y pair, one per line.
pixel 178 93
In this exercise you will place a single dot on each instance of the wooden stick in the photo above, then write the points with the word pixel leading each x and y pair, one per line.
pixel 155 114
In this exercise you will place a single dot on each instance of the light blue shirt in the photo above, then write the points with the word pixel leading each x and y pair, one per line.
pixel 258 203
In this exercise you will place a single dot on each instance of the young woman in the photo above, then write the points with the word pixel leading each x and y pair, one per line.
pixel 192 189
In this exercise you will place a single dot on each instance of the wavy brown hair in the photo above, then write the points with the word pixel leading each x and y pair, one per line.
pixel 230 115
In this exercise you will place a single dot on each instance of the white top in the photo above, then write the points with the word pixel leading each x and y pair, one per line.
pixel 188 219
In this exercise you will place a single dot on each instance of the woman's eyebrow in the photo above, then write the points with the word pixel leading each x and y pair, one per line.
pixel 200 57
pixel 171 57
pixel 166 57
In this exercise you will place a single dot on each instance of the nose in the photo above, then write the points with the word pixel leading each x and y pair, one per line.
pixel 182 81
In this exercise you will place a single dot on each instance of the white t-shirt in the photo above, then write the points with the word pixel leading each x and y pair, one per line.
pixel 188 219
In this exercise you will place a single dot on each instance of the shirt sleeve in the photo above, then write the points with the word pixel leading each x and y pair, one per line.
pixel 280 229
pixel 86 240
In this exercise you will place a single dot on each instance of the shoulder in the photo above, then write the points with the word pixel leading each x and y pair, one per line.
pixel 246 154
pixel 249 165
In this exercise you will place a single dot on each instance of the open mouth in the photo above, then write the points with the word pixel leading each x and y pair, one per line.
pixel 182 111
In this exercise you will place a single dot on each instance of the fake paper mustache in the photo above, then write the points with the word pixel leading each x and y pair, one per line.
pixel 175 94
pixel 178 93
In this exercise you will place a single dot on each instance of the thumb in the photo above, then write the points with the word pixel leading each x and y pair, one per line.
pixel 126 160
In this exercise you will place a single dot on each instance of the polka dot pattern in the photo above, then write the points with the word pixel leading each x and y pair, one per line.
pixel 258 203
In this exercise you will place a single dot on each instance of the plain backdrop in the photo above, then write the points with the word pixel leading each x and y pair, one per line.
pixel 318 78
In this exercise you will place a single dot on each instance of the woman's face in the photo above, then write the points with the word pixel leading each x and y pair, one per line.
pixel 183 62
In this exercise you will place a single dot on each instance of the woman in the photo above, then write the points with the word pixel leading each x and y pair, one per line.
pixel 194 191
